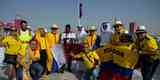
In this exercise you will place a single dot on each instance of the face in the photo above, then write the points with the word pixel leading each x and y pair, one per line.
pixel 119 28
pixel 68 29
pixel 33 44
pixel 42 32
pixel 141 35
pixel 104 26
pixel 54 30
pixel 24 26
pixel 91 32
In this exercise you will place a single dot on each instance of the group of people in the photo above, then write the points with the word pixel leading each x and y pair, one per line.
pixel 109 55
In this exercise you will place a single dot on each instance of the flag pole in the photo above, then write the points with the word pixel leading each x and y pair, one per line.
pixel 79 5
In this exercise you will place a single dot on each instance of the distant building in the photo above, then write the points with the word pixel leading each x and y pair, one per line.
pixel 133 27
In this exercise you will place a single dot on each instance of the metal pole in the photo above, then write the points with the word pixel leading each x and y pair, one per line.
pixel 79 19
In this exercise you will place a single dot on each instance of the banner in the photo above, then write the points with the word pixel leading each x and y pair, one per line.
pixel 121 55
pixel 58 54
pixel 124 56
pixel 105 53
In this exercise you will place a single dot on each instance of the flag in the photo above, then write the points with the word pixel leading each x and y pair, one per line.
pixel 80 10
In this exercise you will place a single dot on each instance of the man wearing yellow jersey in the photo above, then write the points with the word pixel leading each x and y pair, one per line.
pixel 54 35
pixel 46 56
pixel 93 40
pixel 34 56
pixel 90 59
pixel 12 45
pixel 106 67
pixel 119 29
pixel 54 38
pixel 147 47
pixel 124 58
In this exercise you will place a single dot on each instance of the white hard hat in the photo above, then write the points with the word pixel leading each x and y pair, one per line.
pixel 92 27
pixel 45 30
pixel 126 31
pixel 118 22
pixel 54 26
pixel 142 27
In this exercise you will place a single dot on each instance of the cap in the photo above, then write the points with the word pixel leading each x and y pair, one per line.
pixel 54 26
pixel 92 27
pixel 126 31
pixel 141 29
pixel 117 23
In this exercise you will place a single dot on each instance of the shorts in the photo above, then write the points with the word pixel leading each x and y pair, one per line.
pixel 10 59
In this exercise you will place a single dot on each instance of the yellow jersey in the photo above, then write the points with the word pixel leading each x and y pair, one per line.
pixel 89 59
pixel 12 45
pixel 53 38
pixel 44 43
pixel 115 38
pixel 34 55
pixel 150 46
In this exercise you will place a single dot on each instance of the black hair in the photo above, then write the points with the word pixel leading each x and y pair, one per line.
pixel 23 21
pixel 68 25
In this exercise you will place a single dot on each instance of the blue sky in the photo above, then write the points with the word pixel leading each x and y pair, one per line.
pixel 47 12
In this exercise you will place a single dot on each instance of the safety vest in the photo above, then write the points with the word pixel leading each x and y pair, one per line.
pixel 25 36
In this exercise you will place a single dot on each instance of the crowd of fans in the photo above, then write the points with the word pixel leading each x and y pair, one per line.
pixel 109 52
